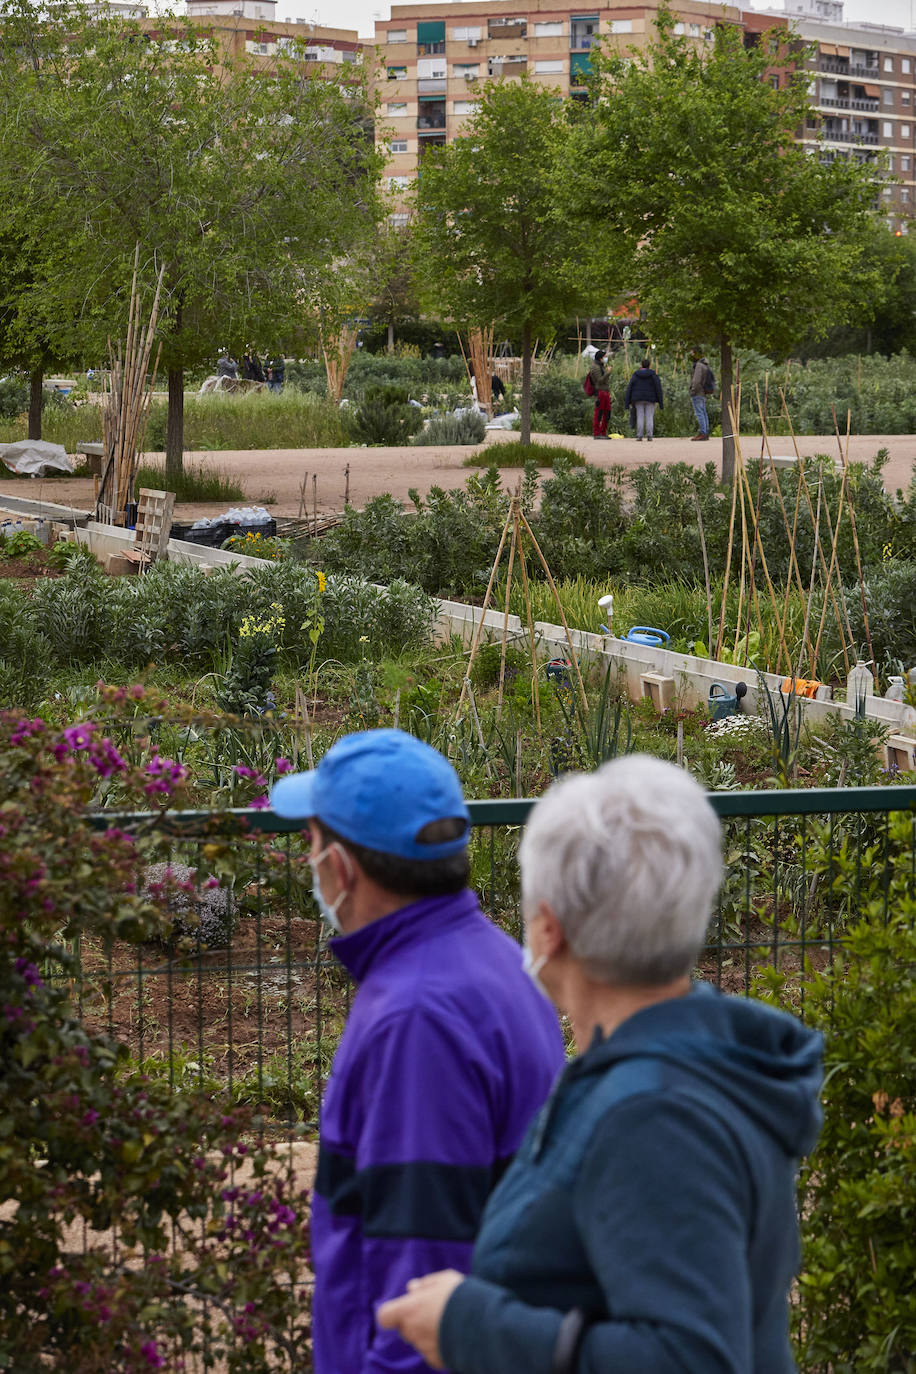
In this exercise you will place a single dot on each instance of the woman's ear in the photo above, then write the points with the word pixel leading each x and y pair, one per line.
pixel 553 936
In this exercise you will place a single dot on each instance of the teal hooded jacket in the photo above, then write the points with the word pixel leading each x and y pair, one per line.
pixel 655 1192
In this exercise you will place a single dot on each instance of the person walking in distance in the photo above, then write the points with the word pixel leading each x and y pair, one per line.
pixel 702 384
pixel 601 382
pixel 645 393
pixel 448 1052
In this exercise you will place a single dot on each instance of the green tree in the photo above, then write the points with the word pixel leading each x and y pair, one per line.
pixel 737 236
pixel 492 243
pixel 243 177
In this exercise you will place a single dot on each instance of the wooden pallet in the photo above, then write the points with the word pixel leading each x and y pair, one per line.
pixel 154 521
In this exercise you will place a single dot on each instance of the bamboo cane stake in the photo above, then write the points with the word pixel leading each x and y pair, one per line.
pixel 835 538
pixel 315 501
pixel 845 632
pixel 502 654
pixel 696 502
pixel 529 620
pixel 855 536
pixel 556 596
pixel 790 534
pixel 763 558
pixel 728 563
pixel 812 661
pixel 744 565
pixel 478 628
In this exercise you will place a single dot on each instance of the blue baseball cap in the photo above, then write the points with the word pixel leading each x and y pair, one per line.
pixel 379 788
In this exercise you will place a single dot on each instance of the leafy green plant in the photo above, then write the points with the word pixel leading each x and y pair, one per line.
pixel 512 454
pixel 468 428
pixel 783 715
pixel 19 545
pixel 384 416
pixel 856 1312
pixel 194 483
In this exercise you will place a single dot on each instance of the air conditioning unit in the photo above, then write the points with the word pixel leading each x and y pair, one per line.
pixel 472 42
pixel 470 76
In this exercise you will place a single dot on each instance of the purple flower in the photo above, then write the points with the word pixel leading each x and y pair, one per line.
pixel 150 1352
pixel 259 803
pixel 90 1117
pixel 283 766
pixel 79 736
pixel 29 972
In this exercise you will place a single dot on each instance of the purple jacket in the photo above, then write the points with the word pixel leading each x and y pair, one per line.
pixel 448 1052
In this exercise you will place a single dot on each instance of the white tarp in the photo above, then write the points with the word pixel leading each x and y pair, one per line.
pixel 35 456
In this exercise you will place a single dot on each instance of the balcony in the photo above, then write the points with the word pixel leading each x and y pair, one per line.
pixel 431 86
pixel 842 102
pixel 430 122
pixel 835 136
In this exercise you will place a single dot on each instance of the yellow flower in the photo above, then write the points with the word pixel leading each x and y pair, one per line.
pixel 322 581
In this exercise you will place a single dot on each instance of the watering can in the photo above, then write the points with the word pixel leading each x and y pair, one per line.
pixel 722 702
pixel 646 634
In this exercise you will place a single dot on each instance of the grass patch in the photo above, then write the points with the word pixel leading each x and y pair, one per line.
pixel 514 454
pixel 202 483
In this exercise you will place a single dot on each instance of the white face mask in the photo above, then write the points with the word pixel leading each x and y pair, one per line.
pixel 328 909
pixel 533 967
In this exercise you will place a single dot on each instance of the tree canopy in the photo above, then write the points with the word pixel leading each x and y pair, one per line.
pixel 737 236
pixel 246 178
pixel 492 241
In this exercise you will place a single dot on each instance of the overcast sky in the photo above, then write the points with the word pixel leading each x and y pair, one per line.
pixel 361 14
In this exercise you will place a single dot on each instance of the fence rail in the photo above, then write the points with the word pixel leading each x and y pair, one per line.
pixel 255 1008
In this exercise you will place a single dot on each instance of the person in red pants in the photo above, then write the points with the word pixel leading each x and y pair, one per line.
pixel 602 384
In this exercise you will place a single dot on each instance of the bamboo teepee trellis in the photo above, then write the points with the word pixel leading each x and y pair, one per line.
pixel 126 406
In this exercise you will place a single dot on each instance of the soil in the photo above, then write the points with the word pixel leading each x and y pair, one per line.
pixel 35 564
pixel 274 477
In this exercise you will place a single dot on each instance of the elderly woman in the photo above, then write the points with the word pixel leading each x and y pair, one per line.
pixel 647 1224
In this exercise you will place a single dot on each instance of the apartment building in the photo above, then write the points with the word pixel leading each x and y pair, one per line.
pixel 433 56
pixel 251 26
pixel 863 88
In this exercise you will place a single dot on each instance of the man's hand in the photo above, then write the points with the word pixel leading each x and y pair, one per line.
pixel 416 1316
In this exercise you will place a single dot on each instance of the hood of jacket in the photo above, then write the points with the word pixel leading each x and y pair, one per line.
pixel 766 1062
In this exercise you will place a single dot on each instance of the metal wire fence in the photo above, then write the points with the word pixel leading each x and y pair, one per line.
pixel 247 999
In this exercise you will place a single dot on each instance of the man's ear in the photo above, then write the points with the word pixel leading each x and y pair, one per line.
pixel 553 936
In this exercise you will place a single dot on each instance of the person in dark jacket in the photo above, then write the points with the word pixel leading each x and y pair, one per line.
pixel 448 1052
pixel 702 384
pixel 644 391
pixel 648 1222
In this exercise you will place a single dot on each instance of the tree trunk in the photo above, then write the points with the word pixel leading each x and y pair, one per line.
pixel 726 380
pixel 36 378
pixel 390 337
pixel 526 384
pixel 174 434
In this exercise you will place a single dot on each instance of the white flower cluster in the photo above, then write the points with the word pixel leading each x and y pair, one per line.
pixel 738 725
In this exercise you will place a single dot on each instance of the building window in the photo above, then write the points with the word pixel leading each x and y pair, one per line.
pixel 399 145
pixel 431 69
pixel 905 65
pixel 580 64
pixel 549 64
pixel 397 73
pixel 551 29
pixel 431 36
pixel 465 107
pixel 904 164
pixel 397 107
pixel 905 97
pixel 583 31
pixel 887 193
pixel 904 130
pixel 465 34
pixel 399 221
pixel 397 35
pixel 888 96
pixel 904 194
pixel 469 70
pixel 508 26
pixel 888 64
pixel 680 29
pixel 398 183
pixel 621 26
pixel 774 81
pixel 887 129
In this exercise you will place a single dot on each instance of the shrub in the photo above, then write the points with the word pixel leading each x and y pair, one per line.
pixel 384 416
pixel 199 482
pixel 890 595
pixel 559 405
pixel 14 397
pixel 174 1249
pixel 509 453
pixel 468 428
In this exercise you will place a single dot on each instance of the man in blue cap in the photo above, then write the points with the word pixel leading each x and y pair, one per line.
pixel 449 1049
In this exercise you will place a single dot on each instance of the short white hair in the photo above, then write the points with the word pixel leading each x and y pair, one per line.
pixel 629 859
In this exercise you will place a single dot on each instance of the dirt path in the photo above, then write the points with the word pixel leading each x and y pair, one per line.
pixel 273 477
